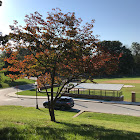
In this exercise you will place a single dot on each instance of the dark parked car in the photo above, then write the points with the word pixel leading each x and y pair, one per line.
pixel 62 103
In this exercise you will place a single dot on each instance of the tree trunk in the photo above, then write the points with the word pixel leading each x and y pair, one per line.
pixel 51 111
pixel 51 108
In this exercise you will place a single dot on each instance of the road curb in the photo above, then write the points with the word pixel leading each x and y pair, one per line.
pixel 79 113
pixel 136 104
pixel 104 102
pixel 14 95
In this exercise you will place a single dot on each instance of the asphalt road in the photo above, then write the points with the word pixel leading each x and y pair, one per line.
pixel 80 104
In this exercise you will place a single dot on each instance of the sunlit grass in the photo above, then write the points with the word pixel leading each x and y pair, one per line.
pixel 29 123
pixel 32 92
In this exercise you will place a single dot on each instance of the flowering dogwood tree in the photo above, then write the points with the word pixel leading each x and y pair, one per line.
pixel 61 48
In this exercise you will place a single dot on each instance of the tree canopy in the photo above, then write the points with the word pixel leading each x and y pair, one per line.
pixel 136 48
pixel 136 54
pixel 126 61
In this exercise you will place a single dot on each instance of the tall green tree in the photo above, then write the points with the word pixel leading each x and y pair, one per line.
pixel 1 66
pixel 136 54
pixel 126 61
pixel 136 48
pixel 3 41
pixel 2 56
pixel 60 49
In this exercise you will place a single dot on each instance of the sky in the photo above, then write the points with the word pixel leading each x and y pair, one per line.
pixel 114 19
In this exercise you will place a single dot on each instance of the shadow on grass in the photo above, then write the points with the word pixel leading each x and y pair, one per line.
pixel 26 86
pixel 85 131
pixel 41 110
pixel 73 110
pixel 67 131
pixel 11 133
pixel 15 83
pixel 69 110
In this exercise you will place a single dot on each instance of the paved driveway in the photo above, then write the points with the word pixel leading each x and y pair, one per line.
pixel 80 104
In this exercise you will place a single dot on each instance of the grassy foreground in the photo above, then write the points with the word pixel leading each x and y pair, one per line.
pixel 29 123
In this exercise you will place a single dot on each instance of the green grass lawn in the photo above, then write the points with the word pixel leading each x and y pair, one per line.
pixel 127 92
pixel 108 79
pixel 32 92
pixel 6 82
pixel 31 124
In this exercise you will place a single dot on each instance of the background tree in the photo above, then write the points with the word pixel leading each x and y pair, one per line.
pixel 8 65
pixel 126 61
pixel 7 54
pixel 3 39
pixel 136 54
pixel 136 48
pixel 1 66
pixel 60 48
pixel 22 52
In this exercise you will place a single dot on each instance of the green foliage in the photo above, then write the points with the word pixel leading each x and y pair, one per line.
pixel 23 52
pixel 1 66
pixel 126 61
pixel 30 123
pixel 136 48
pixel 1 62
pixel 112 46
pixel 136 54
